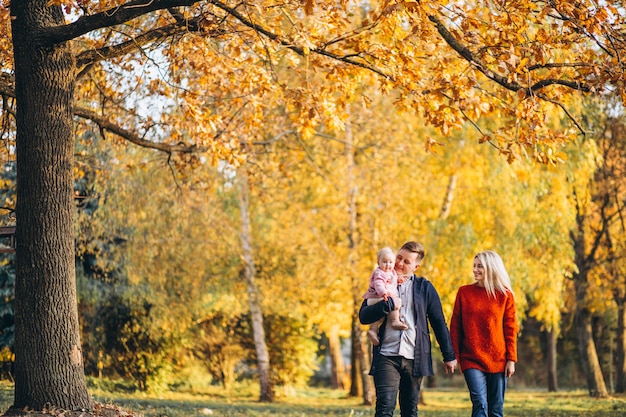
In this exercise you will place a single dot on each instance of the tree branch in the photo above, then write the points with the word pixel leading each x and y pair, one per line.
pixel 107 18
pixel 297 49
pixel 503 81
pixel 87 58
pixel 558 65
pixel 574 85
pixel 469 56
pixel 105 124
pixel 137 8
pixel 567 113
pixel 7 85
pixel 7 89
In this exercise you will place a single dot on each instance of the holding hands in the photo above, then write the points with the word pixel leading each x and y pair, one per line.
pixel 450 366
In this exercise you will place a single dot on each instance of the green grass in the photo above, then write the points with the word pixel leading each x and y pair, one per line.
pixel 520 403
pixel 315 402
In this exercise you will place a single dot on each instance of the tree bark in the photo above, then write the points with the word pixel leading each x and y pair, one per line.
pixel 582 316
pixel 356 382
pixel 48 360
pixel 589 355
pixel 447 201
pixel 551 361
pixel 361 380
pixel 620 350
pixel 362 384
pixel 338 369
pixel 364 364
pixel 256 312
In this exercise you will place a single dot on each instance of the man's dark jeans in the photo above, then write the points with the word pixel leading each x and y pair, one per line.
pixel 393 373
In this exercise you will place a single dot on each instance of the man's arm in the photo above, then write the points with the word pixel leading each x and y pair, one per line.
pixel 375 312
pixel 439 326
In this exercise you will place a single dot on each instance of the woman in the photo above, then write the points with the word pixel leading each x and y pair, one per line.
pixel 484 334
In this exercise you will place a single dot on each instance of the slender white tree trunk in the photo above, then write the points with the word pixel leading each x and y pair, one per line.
pixel 256 312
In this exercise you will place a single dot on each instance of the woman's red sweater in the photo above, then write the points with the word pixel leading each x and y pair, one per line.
pixel 484 329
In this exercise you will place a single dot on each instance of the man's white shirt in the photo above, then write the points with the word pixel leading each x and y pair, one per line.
pixel 402 342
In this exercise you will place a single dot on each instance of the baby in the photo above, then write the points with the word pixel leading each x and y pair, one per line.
pixel 384 284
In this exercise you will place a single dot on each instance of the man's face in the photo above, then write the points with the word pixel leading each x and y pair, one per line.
pixel 406 262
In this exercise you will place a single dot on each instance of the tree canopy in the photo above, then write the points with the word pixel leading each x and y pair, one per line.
pixel 200 76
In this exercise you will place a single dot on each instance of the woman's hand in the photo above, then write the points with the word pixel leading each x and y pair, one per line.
pixel 509 369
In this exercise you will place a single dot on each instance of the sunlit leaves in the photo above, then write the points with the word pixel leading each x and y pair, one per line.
pixel 222 78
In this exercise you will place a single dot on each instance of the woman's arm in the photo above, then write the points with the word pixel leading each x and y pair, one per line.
pixel 511 328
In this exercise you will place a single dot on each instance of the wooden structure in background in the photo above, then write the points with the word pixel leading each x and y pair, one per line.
pixel 7 235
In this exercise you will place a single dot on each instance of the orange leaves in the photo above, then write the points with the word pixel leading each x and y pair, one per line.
pixel 508 60
pixel 431 145
pixel 409 6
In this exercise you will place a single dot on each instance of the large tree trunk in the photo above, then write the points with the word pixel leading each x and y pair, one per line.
pixel 620 351
pixel 589 355
pixel 256 313
pixel 362 383
pixel 582 316
pixel 551 360
pixel 48 360
pixel 362 347
pixel 356 381
pixel 338 369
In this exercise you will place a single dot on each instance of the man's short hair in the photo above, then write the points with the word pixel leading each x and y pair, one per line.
pixel 414 247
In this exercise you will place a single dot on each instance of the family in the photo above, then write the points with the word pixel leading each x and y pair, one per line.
pixel 399 306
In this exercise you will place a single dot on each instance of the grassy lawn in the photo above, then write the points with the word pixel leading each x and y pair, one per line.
pixel 316 402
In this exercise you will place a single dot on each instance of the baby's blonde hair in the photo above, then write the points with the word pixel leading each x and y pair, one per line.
pixel 385 251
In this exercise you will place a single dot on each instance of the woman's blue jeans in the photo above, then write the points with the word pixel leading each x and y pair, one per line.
pixel 486 392
pixel 393 374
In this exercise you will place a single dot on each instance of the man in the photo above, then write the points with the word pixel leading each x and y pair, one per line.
pixel 403 357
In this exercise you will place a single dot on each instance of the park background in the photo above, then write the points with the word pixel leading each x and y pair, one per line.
pixel 226 207
pixel 164 296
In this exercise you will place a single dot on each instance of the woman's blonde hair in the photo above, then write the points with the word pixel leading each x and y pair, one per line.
pixel 496 277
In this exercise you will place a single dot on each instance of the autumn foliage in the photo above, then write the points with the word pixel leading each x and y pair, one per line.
pixel 302 99
pixel 218 69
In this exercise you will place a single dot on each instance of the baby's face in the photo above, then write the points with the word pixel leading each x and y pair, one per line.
pixel 386 263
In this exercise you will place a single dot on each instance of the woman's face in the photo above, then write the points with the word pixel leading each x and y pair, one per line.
pixel 479 271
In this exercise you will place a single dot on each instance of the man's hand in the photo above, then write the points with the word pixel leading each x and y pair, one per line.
pixel 450 366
